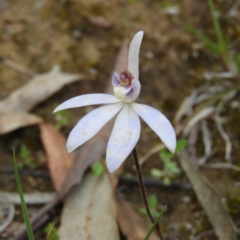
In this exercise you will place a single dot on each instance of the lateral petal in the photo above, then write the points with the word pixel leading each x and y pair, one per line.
pixel 90 125
pixel 86 100
pixel 135 90
pixel 124 137
pixel 115 79
pixel 158 123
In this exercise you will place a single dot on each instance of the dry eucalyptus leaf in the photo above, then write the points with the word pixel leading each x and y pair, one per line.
pixel 210 200
pixel 131 224
pixel 10 121
pixel 30 198
pixel 37 90
pixel 89 211
pixel 59 161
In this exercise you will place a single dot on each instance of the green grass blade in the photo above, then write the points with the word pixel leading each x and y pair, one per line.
pixel 237 61
pixel 23 204
pixel 210 44
pixel 221 42
pixel 155 223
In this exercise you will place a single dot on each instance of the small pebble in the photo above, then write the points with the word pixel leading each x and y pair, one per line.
pixel 186 199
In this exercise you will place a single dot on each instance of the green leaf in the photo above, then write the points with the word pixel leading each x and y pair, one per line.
pixel 237 61
pixel 171 167
pixel 155 213
pixel 153 201
pixel 23 204
pixel 51 232
pixel 165 154
pixel 143 211
pixel 156 173
pixel 166 181
pixel 62 118
pixel 181 144
pixel 221 42
pixel 24 152
pixel 20 165
pixel 210 43
pixel 97 169
pixel 155 223
pixel 167 3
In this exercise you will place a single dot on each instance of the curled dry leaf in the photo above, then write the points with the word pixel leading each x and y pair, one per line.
pixel 59 161
pixel 207 141
pixel 196 118
pixel 89 211
pixel 221 130
pixel 7 213
pixel 10 121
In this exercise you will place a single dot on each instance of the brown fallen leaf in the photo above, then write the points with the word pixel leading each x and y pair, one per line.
pixel 37 90
pixel 59 161
pixel 131 224
pixel 89 211
pixel 10 121
pixel 210 200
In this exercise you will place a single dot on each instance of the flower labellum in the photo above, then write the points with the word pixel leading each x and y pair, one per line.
pixel 126 130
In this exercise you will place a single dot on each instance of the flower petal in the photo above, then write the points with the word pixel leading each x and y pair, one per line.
pixel 90 124
pixel 115 79
pixel 158 123
pixel 123 139
pixel 133 54
pixel 86 100
pixel 135 90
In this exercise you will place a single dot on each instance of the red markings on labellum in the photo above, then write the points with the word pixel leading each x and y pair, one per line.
pixel 126 78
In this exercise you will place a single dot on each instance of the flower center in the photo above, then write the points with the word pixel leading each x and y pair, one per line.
pixel 126 78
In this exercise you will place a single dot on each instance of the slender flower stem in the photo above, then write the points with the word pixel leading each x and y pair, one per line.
pixel 143 191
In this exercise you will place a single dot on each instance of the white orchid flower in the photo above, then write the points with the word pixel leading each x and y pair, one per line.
pixel 126 130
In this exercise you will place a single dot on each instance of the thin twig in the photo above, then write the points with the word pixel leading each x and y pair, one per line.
pixel 153 182
pixel 17 67
pixel 207 233
pixel 143 191
pixel 152 151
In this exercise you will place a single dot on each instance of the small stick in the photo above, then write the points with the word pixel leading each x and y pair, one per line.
pixel 17 67
pixel 143 191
